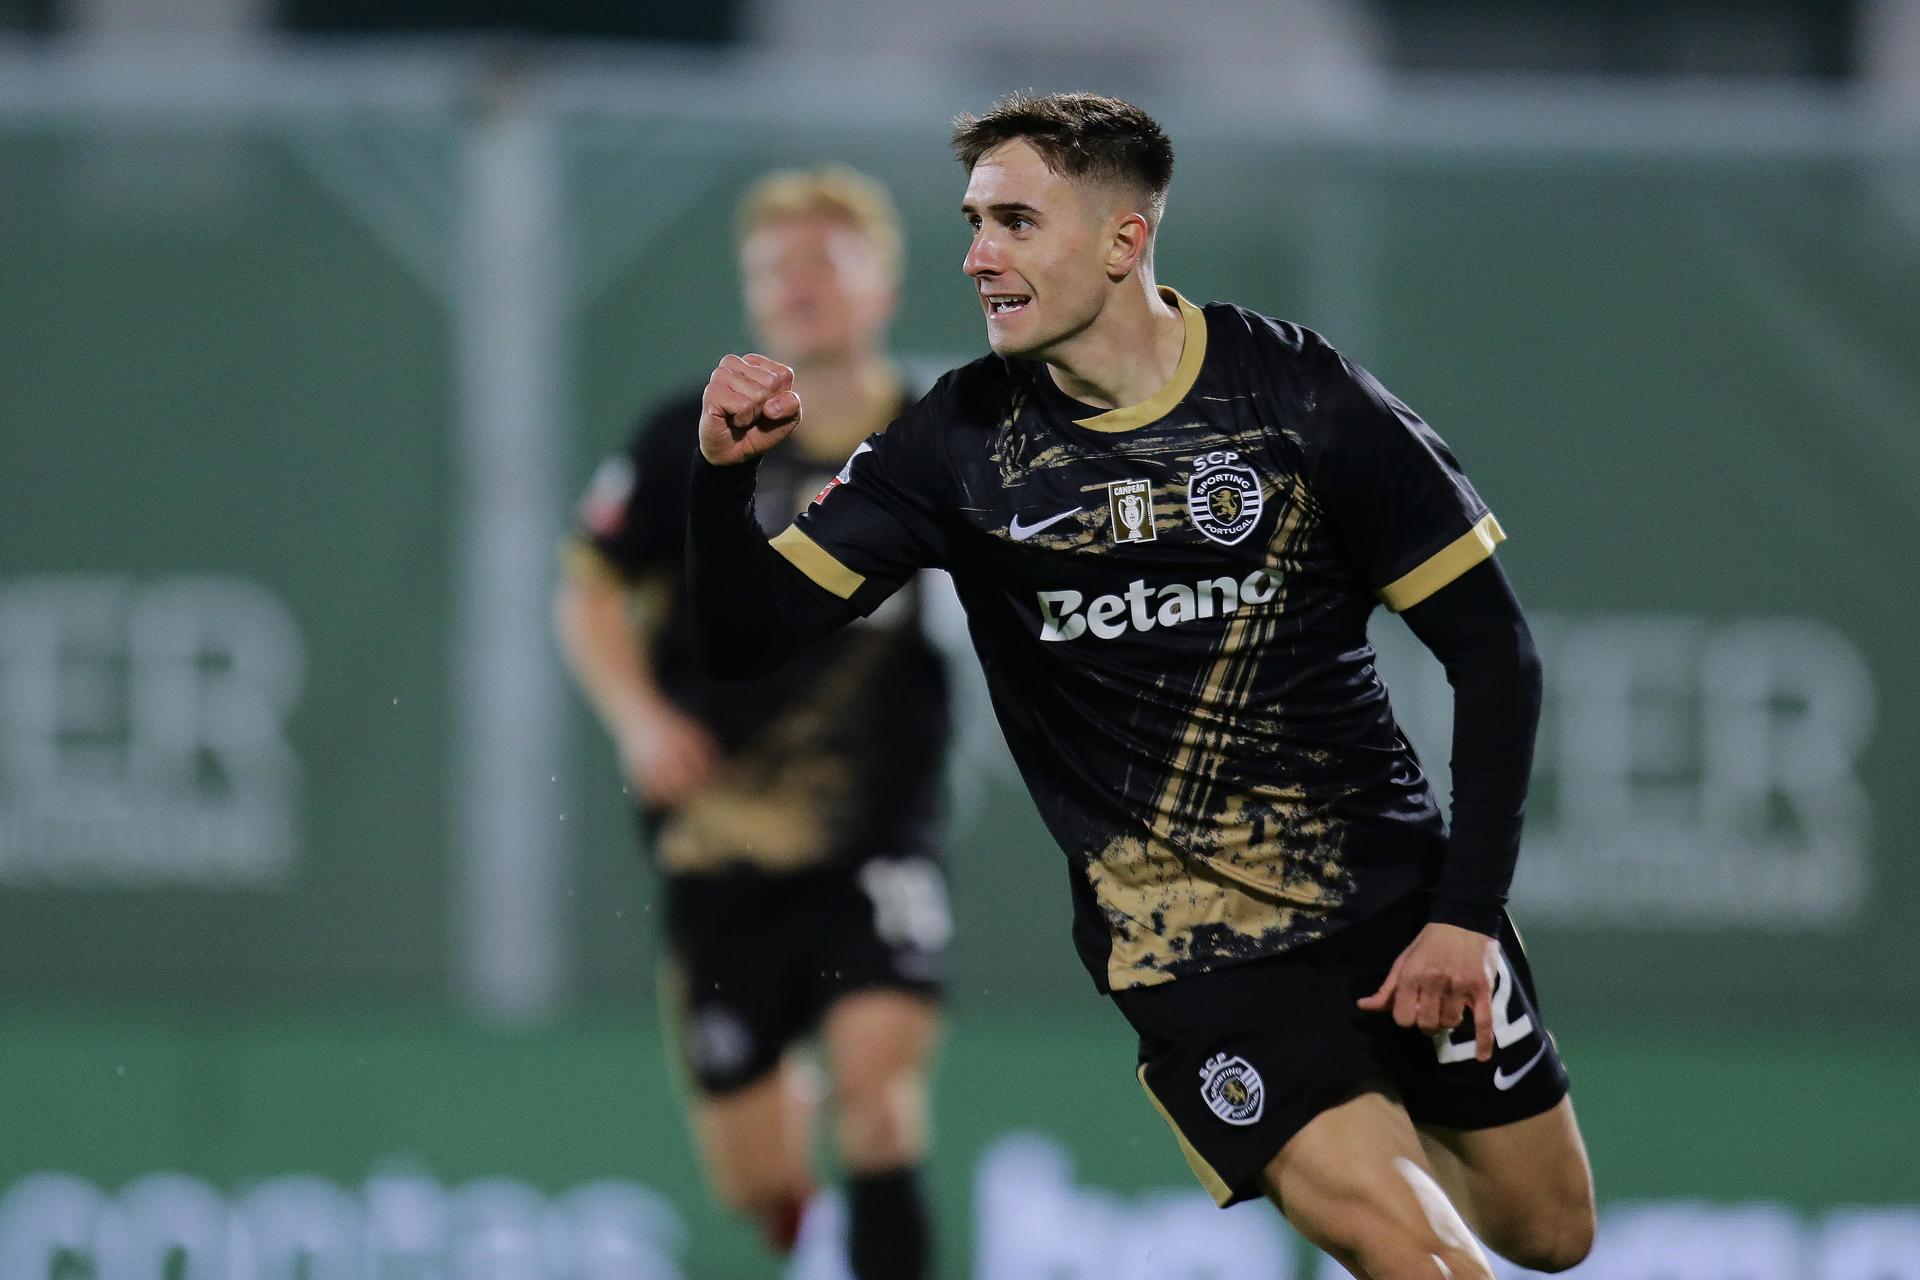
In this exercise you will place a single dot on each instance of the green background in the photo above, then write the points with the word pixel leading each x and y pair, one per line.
pixel 1685 381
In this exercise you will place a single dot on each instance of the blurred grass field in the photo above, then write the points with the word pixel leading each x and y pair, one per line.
pixel 1673 1116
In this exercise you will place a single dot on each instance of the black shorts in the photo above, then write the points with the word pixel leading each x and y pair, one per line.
pixel 1240 1059
pixel 758 958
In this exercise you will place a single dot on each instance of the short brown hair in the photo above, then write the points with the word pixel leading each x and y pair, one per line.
pixel 830 191
pixel 1079 135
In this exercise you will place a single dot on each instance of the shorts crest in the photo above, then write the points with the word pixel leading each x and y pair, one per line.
pixel 718 1040
pixel 1232 1089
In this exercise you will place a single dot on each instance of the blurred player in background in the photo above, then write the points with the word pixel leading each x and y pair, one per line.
pixel 1169 525
pixel 793 818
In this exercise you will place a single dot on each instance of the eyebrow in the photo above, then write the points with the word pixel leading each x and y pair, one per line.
pixel 1011 206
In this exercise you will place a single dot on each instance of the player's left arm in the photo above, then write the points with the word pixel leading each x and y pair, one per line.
pixel 1415 532
pixel 1475 626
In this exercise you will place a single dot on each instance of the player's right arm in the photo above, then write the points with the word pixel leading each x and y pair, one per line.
pixel 665 754
pixel 749 407
pixel 619 568
pixel 756 601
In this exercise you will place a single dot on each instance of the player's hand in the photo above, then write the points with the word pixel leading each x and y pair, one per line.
pixel 667 756
pixel 1444 974
pixel 749 406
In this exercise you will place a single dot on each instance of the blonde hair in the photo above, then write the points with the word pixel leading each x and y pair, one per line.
pixel 830 191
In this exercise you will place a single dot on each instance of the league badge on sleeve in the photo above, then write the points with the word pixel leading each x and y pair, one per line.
pixel 1232 1089
pixel 603 508
pixel 846 473
pixel 1222 497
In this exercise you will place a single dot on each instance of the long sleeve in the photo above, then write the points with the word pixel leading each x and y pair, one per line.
pixel 753 607
pixel 1475 627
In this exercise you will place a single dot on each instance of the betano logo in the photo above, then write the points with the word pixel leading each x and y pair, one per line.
pixel 1141 607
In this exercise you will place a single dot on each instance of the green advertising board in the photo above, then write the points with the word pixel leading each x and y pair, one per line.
pixel 224 594
pixel 374 1152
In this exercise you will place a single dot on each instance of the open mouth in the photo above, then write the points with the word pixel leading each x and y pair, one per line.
pixel 1005 304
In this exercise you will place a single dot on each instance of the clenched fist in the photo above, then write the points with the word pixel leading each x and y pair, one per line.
pixel 749 406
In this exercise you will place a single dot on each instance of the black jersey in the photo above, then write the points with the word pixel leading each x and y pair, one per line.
pixel 1170 602
pixel 838 756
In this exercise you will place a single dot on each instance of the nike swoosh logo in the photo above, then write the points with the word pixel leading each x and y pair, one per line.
pixel 1021 532
pixel 1504 1082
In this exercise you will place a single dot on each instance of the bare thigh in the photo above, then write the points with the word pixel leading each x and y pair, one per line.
pixel 756 1142
pixel 879 1045
pixel 1526 1187
pixel 1356 1183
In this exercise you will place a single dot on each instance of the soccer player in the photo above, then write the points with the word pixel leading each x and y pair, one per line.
pixel 1169 525
pixel 792 817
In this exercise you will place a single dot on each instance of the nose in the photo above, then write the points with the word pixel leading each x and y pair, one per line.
pixel 794 284
pixel 795 293
pixel 983 257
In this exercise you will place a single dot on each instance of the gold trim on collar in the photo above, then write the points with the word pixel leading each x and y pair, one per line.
pixel 1161 403
pixel 1444 565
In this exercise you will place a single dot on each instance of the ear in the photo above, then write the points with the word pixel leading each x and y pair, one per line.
pixel 890 306
pixel 1127 243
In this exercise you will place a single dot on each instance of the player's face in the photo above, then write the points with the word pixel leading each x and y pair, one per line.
pixel 1039 251
pixel 816 290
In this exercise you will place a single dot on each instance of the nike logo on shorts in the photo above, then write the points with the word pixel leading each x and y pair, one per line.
pixel 1021 532
pixel 1503 1082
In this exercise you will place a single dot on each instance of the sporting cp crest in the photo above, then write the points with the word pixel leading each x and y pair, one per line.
pixel 1232 1090
pixel 1223 499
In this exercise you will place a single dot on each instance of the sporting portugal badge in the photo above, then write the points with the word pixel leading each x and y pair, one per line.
pixel 1223 497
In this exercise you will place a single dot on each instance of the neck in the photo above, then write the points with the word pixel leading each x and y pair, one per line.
pixel 845 400
pixel 1129 351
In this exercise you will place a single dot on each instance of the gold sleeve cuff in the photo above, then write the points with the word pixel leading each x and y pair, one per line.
pixel 814 560
pixel 1444 565
pixel 581 561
